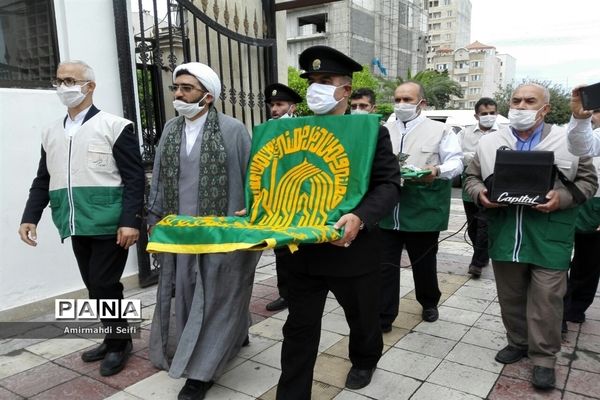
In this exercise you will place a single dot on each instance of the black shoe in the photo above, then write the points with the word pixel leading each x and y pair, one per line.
pixel 278 304
pixel 115 361
pixel 510 354
pixel 194 390
pixel 386 328
pixel 475 271
pixel 543 378
pixel 246 341
pixel 359 378
pixel 95 354
pixel 430 314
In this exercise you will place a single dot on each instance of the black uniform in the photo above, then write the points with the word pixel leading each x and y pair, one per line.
pixel 352 274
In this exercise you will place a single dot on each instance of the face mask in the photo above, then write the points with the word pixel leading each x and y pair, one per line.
pixel 358 111
pixel 405 111
pixel 320 98
pixel 70 96
pixel 487 121
pixel 522 120
pixel 189 110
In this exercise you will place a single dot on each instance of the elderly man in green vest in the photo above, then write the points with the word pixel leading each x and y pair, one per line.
pixel 530 246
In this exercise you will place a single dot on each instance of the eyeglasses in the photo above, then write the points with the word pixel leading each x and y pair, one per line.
pixel 360 106
pixel 183 88
pixel 68 82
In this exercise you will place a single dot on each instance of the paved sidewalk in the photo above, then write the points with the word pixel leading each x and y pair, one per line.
pixel 452 358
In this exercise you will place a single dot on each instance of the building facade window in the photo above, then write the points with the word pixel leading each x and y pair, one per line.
pixel 462 78
pixel 475 77
pixel 474 90
pixel 441 67
pixel 476 64
pixel 312 24
pixel 28 45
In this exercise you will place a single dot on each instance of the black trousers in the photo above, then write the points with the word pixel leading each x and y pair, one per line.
pixel 422 251
pixel 282 272
pixel 101 263
pixel 583 275
pixel 478 233
pixel 358 295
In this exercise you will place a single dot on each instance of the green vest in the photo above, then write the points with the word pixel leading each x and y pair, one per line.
pixel 422 207
pixel 522 234
pixel 588 218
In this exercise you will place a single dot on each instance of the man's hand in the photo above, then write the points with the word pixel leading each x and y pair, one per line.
pixel 485 201
pixel 352 224
pixel 552 204
pixel 241 213
pixel 431 177
pixel 28 234
pixel 126 237
pixel 576 106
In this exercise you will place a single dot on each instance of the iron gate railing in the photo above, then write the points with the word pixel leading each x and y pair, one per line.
pixel 241 49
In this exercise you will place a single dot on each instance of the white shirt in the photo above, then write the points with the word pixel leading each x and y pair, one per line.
pixel 450 152
pixel 193 129
pixel 582 140
pixel 72 125
pixel 468 138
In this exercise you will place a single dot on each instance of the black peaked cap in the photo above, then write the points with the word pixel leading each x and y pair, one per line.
pixel 278 91
pixel 325 59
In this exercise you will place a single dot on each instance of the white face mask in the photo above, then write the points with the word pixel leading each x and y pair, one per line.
pixel 487 121
pixel 405 111
pixel 189 110
pixel 522 120
pixel 320 98
pixel 359 111
pixel 71 96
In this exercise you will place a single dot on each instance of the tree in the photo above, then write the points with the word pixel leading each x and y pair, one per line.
pixel 560 111
pixel 438 87
pixel 299 85
pixel 365 79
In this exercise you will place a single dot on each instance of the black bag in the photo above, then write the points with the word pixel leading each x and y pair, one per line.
pixel 521 177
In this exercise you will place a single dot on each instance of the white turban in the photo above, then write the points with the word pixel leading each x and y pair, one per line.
pixel 205 75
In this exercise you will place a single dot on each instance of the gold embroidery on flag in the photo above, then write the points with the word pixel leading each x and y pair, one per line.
pixel 310 189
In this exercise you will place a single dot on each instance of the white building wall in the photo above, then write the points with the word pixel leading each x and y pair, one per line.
pixel 85 31
pixel 508 67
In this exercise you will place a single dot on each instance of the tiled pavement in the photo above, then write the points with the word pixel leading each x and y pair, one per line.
pixel 450 359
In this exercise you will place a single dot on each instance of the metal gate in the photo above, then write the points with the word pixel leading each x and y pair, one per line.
pixel 237 41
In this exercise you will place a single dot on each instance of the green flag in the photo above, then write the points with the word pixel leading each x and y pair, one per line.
pixel 303 175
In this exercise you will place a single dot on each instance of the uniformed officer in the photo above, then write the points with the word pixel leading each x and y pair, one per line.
pixel 348 267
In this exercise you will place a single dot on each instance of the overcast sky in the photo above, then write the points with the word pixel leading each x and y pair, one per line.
pixel 551 40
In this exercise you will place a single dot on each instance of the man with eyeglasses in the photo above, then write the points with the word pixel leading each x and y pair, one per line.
pixel 362 101
pixel 91 173
pixel 199 170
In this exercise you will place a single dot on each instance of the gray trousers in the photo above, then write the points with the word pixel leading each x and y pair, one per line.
pixel 531 304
